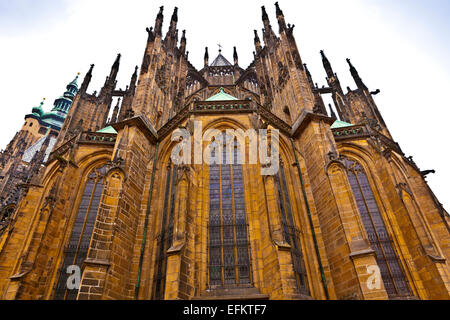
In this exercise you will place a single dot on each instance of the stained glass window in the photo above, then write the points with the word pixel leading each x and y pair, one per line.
pixel 165 237
pixel 229 263
pixel 387 259
pixel 290 232
pixel 76 250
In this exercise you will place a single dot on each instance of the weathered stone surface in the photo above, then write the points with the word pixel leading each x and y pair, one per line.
pixel 150 233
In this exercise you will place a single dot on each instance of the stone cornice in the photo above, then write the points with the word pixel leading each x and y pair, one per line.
pixel 274 120
pixel 141 123
pixel 173 123
pixel 361 253
pixel 305 118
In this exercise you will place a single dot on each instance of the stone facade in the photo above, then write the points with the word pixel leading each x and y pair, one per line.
pixel 346 200
pixel 29 149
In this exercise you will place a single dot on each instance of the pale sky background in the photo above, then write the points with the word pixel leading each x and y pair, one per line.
pixel 400 47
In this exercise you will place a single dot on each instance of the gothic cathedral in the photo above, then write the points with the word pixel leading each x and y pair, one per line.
pixel 91 187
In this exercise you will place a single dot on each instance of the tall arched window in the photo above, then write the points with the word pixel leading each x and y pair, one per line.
pixel 76 250
pixel 290 232
pixel 392 273
pixel 165 236
pixel 229 248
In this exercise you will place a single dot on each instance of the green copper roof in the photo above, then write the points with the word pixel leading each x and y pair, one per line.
pixel 107 129
pixel 221 96
pixel 74 82
pixel 340 124
pixel 38 110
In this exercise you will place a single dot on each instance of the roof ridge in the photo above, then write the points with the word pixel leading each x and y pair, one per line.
pixel 220 61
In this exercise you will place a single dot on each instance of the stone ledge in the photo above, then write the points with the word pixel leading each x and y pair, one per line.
pixel 282 246
pixel 95 262
pixel 361 253
pixel 306 117
pixel 20 275
pixel 437 259
pixel 175 249
pixel 140 122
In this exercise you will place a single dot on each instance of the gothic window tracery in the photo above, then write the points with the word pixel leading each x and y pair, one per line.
pixel 392 272
pixel 76 250
pixel 229 247
pixel 165 236
pixel 290 232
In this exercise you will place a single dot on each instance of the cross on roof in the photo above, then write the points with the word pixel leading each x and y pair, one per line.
pixel 220 47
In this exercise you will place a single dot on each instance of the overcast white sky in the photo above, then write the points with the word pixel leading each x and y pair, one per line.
pixel 401 47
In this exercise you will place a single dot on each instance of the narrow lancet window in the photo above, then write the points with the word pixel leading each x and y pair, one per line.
pixel 76 251
pixel 290 232
pixel 229 249
pixel 165 236
pixel 387 259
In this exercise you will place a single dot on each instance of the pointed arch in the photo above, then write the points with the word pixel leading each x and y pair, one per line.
pixel 165 234
pixel 380 239
pixel 76 250
pixel 229 252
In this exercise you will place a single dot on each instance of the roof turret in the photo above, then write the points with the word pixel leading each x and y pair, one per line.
pixel 38 110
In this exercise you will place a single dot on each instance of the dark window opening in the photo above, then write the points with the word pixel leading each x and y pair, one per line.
pixel 392 272
pixel 165 237
pixel 76 251
pixel 290 232
pixel 228 244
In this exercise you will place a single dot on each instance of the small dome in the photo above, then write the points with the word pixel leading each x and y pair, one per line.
pixel 38 110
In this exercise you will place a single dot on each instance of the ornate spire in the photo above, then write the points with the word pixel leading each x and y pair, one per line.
pixel 278 10
pixel 132 85
pixel 206 57
pixel 110 82
pixel 87 79
pixel 183 42
pixel 257 42
pixel 235 56
pixel 280 18
pixel 128 98
pixel 268 33
pixel 265 17
pixel 308 74
pixel 356 76
pixel 327 65
pixel 115 68
pixel 175 15
pixel 115 112
pixel 72 88
pixel 159 21
pixel 63 103
pixel 172 33
pixel 151 36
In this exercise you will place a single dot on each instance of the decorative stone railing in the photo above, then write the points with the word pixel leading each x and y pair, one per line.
pixel 223 106
pixel 364 131
pixel 98 138
pixel 351 132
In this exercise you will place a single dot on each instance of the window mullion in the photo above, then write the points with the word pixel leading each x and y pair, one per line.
pixel 233 209
pixel 376 232
pixel 222 260
pixel 75 257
